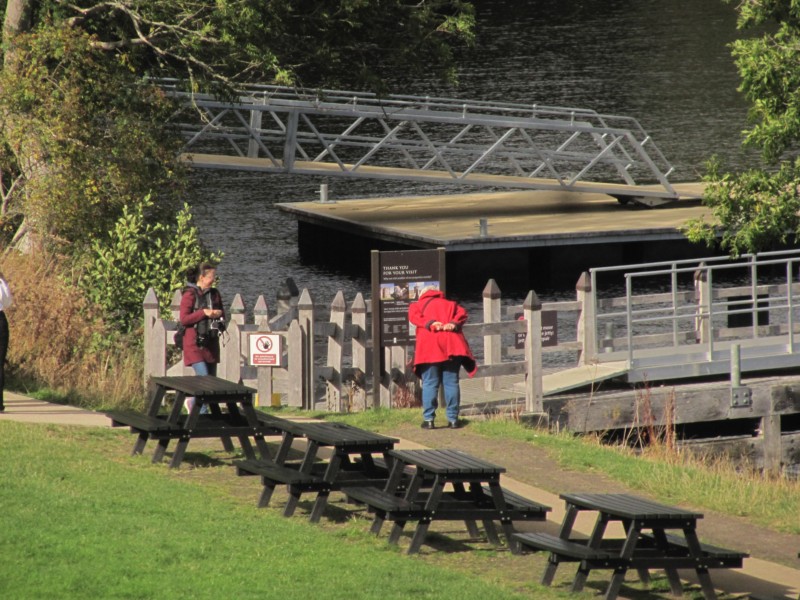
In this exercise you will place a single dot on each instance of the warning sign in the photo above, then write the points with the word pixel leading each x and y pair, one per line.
pixel 265 350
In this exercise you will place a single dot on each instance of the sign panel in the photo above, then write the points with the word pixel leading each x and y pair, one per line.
pixel 265 349
pixel 549 330
pixel 402 277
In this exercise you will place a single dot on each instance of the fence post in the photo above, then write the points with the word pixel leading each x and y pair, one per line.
pixel 231 343
pixel 263 373
pixel 175 306
pixel 532 309
pixel 358 334
pixel 305 307
pixel 492 344
pixel 155 346
pixel 296 368
pixel 333 385
pixel 587 321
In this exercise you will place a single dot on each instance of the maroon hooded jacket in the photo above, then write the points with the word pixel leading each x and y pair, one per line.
pixel 189 318
pixel 440 346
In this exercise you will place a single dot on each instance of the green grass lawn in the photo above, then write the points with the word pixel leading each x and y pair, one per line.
pixel 80 519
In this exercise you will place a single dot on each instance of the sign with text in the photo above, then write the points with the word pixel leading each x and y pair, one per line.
pixel 549 330
pixel 400 278
pixel 265 349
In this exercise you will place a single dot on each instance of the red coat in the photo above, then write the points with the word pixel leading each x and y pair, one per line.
pixel 189 318
pixel 440 346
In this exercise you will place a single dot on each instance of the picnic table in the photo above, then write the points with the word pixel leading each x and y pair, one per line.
pixel 475 494
pixel 352 462
pixel 647 543
pixel 239 420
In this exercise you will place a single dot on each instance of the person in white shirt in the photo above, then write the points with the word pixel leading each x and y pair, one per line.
pixel 5 303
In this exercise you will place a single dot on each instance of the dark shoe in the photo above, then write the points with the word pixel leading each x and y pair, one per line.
pixel 454 425
pixel 427 425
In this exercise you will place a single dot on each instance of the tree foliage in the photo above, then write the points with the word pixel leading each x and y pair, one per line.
pixel 757 209
pixel 82 135
pixel 136 255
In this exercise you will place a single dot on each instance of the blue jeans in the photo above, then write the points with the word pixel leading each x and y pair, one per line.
pixel 203 368
pixel 446 375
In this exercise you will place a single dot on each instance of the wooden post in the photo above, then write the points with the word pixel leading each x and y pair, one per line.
pixel 155 343
pixel 175 306
pixel 492 344
pixel 532 309
pixel 230 343
pixel 771 430
pixel 305 307
pixel 357 387
pixel 296 343
pixel 255 127
pixel 587 320
pixel 263 374
pixel 333 385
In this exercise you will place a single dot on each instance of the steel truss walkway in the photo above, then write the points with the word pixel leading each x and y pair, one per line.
pixel 472 143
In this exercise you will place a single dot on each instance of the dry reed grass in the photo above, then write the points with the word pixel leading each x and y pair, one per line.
pixel 60 343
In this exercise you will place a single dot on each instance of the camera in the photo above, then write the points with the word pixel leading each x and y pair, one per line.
pixel 216 327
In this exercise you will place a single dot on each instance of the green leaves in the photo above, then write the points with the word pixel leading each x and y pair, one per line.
pixel 138 254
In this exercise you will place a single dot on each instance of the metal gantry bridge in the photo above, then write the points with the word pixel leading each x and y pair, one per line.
pixel 426 139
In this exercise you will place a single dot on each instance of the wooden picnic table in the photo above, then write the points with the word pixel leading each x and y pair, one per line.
pixel 346 442
pixel 239 420
pixel 476 495
pixel 648 543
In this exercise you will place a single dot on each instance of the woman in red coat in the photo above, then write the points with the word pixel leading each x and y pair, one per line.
pixel 441 350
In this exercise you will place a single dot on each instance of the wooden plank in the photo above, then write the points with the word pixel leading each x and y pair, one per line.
pixel 581 376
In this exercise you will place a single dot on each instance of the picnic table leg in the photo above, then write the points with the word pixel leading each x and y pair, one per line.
pixel 322 496
pixel 675 585
pixel 505 523
pixel 266 493
pixel 227 444
pixel 461 493
pixel 183 441
pixel 702 572
pixel 411 494
pixel 141 441
pixel 594 542
pixel 305 467
pixel 283 449
pixel 564 533
pixel 430 509
pixel 172 419
pixel 252 420
pixel 627 551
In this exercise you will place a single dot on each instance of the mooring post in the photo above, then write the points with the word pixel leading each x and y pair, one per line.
pixel 492 344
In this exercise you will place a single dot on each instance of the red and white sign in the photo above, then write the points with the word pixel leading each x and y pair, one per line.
pixel 265 350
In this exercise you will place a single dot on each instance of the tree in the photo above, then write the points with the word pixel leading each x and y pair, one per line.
pixel 757 209
pixel 81 126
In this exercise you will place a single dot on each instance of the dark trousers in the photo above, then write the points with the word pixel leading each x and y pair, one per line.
pixel 3 351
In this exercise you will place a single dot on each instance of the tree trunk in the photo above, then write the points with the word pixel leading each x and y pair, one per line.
pixel 18 17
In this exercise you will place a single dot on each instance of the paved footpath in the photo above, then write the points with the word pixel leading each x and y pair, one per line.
pixel 759 579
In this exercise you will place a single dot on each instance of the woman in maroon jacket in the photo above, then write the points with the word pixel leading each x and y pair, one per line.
pixel 202 315
pixel 441 350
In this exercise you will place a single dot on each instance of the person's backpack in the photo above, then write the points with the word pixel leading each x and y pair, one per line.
pixel 181 330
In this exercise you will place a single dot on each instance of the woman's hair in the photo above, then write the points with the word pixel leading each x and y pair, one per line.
pixel 204 268
pixel 191 275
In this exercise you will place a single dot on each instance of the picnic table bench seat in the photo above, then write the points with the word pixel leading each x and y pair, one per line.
pixel 139 421
pixel 567 550
pixel 273 474
pixel 713 556
pixel 522 507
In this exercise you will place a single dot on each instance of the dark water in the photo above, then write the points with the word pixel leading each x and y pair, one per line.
pixel 663 62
